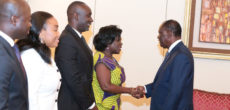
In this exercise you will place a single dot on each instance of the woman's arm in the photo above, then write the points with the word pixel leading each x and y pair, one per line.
pixel 104 79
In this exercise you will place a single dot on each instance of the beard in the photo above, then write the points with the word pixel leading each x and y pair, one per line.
pixel 163 45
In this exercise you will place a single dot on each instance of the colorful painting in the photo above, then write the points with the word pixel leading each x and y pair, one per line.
pixel 215 21
pixel 207 28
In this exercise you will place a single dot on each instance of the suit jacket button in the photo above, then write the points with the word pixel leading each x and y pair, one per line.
pixel 57 90
pixel 56 100
pixel 60 79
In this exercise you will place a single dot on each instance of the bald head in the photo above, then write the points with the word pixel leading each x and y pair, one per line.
pixel 10 8
pixel 169 32
pixel 73 7
pixel 172 26
pixel 14 17
pixel 79 16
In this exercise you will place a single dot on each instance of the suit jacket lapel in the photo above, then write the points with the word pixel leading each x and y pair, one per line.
pixel 8 48
pixel 86 50
pixel 166 61
pixel 12 54
pixel 172 54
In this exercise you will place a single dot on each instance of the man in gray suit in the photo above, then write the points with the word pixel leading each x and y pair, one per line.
pixel 14 24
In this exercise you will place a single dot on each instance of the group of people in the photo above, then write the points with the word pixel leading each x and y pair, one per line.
pixel 76 79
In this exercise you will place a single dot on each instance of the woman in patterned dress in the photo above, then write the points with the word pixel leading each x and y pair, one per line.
pixel 108 75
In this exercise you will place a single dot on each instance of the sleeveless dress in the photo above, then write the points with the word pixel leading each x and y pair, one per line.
pixel 105 100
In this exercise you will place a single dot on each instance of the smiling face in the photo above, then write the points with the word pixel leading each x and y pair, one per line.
pixel 84 18
pixel 116 46
pixel 49 35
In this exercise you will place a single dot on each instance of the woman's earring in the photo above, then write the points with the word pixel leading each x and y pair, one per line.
pixel 41 41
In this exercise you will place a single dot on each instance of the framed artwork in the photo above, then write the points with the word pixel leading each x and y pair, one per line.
pixel 206 29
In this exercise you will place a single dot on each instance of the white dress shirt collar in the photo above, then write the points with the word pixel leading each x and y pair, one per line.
pixel 7 38
pixel 173 45
pixel 78 33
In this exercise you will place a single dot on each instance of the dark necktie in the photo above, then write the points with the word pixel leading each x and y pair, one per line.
pixel 162 66
pixel 19 59
pixel 85 43
pixel 166 57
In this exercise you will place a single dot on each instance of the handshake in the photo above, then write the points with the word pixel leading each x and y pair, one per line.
pixel 138 92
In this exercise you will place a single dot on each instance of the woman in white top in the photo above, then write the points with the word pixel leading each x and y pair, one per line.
pixel 43 75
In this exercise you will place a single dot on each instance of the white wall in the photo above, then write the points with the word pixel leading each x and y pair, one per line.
pixel 141 55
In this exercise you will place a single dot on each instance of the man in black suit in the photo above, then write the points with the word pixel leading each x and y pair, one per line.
pixel 14 24
pixel 172 88
pixel 75 61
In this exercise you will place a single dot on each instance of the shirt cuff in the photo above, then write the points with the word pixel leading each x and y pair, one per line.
pixel 92 106
pixel 145 89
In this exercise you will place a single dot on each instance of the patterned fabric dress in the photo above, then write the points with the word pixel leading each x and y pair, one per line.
pixel 105 100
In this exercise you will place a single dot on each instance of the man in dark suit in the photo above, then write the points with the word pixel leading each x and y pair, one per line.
pixel 14 24
pixel 75 61
pixel 172 88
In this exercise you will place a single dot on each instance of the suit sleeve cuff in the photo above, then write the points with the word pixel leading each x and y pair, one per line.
pixel 145 89
pixel 92 106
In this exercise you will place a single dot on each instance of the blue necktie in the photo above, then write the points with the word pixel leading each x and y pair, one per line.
pixel 19 59
pixel 162 65
pixel 166 57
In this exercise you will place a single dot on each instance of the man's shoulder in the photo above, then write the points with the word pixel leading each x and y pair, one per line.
pixel 181 52
pixel 3 42
pixel 68 39
pixel 6 60
pixel 183 55
pixel 182 49
pixel 66 36
pixel 4 50
pixel 2 47
pixel 68 33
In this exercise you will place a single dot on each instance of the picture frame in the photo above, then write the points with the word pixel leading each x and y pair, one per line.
pixel 191 31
